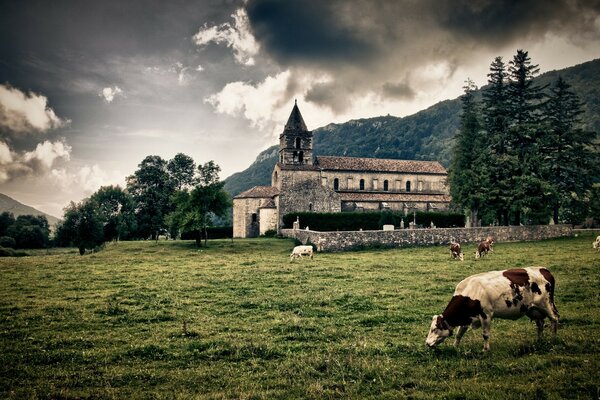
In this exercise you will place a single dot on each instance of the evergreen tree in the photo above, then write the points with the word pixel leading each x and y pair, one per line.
pixel 466 174
pixel 524 100
pixel 500 164
pixel 569 154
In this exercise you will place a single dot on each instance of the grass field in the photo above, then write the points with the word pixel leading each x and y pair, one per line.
pixel 237 320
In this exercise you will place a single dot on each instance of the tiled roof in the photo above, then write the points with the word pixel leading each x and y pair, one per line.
pixel 379 165
pixel 395 197
pixel 258 192
pixel 295 121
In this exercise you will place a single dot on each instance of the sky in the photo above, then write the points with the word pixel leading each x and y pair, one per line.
pixel 88 89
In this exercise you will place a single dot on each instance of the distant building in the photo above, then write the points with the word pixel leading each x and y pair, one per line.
pixel 301 182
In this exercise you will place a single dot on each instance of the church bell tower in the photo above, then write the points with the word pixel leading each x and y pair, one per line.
pixel 295 143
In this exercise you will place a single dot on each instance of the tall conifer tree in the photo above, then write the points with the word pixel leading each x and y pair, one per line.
pixel 568 152
pixel 524 100
pixel 500 164
pixel 465 173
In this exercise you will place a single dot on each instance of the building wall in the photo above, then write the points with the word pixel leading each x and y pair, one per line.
pixel 267 220
pixel 302 191
pixel 374 181
pixel 342 241
pixel 244 224
pixel 288 146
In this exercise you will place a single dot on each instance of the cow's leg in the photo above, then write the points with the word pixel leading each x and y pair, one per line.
pixel 486 326
pixel 460 333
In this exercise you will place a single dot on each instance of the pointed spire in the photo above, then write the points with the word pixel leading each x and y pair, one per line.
pixel 295 121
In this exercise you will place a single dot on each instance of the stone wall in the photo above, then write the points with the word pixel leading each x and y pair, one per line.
pixel 349 240
pixel 244 224
pixel 302 191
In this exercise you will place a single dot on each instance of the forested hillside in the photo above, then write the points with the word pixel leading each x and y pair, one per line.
pixel 426 135
pixel 16 208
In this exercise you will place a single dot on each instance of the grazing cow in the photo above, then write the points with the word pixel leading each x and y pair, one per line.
pixel 482 249
pixel 455 251
pixel 596 244
pixel 490 241
pixel 507 294
pixel 299 251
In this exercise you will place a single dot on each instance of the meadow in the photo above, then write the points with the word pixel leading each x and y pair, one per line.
pixel 237 320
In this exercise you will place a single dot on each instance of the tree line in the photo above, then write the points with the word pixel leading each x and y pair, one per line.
pixel 521 155
pixel 24 231
pixel 161 197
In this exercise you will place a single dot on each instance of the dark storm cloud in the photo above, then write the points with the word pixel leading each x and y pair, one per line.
pixel 356 30
pixel 364 45
pixel 308 31
pixel 398 91
pixel 501 21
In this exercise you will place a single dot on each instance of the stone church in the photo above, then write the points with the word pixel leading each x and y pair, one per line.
pixel 301 182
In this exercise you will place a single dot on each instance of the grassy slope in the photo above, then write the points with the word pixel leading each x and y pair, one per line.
pixel 349 325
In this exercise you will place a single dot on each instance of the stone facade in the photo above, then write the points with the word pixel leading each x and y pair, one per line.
pixel 351 240
pixel 301 182
pixel 254 212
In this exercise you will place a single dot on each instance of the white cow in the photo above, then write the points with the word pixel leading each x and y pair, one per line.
pixel 508 294
pixel 596 244
pixel 299 251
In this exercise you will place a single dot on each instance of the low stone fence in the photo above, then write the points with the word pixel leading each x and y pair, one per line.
pixel 350 240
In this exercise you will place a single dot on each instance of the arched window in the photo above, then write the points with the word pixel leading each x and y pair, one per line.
pixel 275 177
pixel 298 142
pixel 301 156
pixel 386 185
pixel 254 218
pixel 408 186
pixel 310 207
pixel 362 184
pixel 336 184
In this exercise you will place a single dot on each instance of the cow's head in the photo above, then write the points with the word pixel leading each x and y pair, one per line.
pixel 438 332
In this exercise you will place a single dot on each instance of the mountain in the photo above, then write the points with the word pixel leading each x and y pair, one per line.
pixel 11 205
pixel 426 135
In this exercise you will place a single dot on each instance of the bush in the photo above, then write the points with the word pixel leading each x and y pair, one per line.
pixel 354 221
pixel 270 233
pixel 7 252
pixel 7 241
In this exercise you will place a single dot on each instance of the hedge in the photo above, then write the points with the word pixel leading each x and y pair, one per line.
pixel 354 221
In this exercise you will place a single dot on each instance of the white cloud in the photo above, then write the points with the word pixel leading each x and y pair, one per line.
pixel 37 162
pixel 199 68
pixel 24 112
pixel 236 36
pixel 256 103
pixel 87 179
pixel 109 93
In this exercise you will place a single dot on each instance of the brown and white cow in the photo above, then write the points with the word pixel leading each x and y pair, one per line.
pixel 455 251
pixel 507 294
pixel 490 241
pixel 482 249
